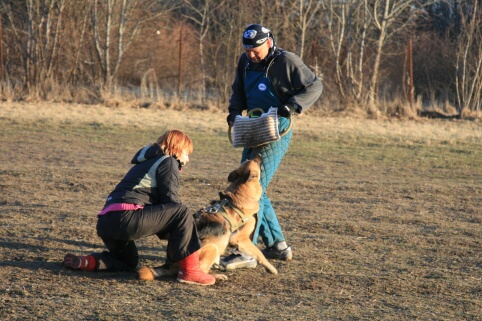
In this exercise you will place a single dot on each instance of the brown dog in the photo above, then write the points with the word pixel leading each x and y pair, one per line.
pixel 231 221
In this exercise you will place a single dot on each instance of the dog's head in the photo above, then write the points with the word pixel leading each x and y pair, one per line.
pixel 245 180
pixel 248 171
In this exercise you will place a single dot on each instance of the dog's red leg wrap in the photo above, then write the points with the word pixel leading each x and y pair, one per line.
pixel 190 271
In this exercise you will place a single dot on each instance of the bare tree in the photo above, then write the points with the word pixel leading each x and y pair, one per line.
pixel 306 13
pixel 115 24
pixel 104 43
pixel 200 12
pixel 78 57
pixel 390 18
pixel 53 32
pixel 469 57
pixel 226 35
pixel 37 34
pixel 1 49
pixel 347 30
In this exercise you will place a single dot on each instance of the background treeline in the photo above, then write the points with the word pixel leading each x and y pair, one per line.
pixel 167 52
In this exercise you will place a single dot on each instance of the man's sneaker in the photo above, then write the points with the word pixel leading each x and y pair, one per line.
pixel 273 253
pixel 238 261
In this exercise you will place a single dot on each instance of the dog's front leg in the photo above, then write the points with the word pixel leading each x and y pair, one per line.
pixel 246 246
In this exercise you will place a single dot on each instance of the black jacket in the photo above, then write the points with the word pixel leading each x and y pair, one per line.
pixel 151 181
pixel 292 80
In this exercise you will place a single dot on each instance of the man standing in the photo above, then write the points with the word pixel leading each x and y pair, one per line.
pixel 266 77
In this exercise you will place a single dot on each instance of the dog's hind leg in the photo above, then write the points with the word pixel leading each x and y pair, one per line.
pixel 146 273
pixel 208 255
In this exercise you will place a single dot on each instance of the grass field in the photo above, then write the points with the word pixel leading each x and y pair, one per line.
pixel 384 218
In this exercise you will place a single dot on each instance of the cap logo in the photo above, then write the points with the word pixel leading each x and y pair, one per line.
pixel 262 40
pixel 250 34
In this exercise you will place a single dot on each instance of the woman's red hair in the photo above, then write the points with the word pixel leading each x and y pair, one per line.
pixel 174 141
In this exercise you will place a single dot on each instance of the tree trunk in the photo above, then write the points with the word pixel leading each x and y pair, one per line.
pixel 373 91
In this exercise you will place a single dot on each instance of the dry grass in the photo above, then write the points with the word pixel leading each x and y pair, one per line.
pixel 383 216
pixel 122 114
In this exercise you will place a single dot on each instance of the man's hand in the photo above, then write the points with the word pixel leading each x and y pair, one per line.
pixel 230 119
pixel 286 111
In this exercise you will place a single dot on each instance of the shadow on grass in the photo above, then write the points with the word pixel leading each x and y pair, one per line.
pixel 27 256
pixel 57 268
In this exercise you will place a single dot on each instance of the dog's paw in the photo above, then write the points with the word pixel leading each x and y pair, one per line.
pixel 271 269
pixel 146 274
pixel 220 277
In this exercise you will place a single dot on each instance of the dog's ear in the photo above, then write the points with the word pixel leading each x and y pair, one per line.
pixel 233 176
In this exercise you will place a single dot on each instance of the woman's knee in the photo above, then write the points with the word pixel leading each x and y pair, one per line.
pixel 179 213
pixel 185 214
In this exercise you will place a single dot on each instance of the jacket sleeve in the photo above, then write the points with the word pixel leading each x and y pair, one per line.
pixel 237 102
pixel 297 84
pixel 168 181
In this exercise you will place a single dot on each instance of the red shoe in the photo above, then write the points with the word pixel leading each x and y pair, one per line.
pixel 191 273
pixel 85 263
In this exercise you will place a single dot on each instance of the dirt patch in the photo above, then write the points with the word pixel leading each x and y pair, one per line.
pixel 384 218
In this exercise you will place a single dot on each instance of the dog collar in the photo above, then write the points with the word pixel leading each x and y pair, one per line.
pixel 216 208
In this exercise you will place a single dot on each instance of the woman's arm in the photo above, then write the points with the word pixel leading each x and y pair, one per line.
pixel 168 181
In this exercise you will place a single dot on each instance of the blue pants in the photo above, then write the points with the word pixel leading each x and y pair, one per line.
pixel 268 226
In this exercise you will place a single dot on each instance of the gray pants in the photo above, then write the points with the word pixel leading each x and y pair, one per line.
pixel 120 229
